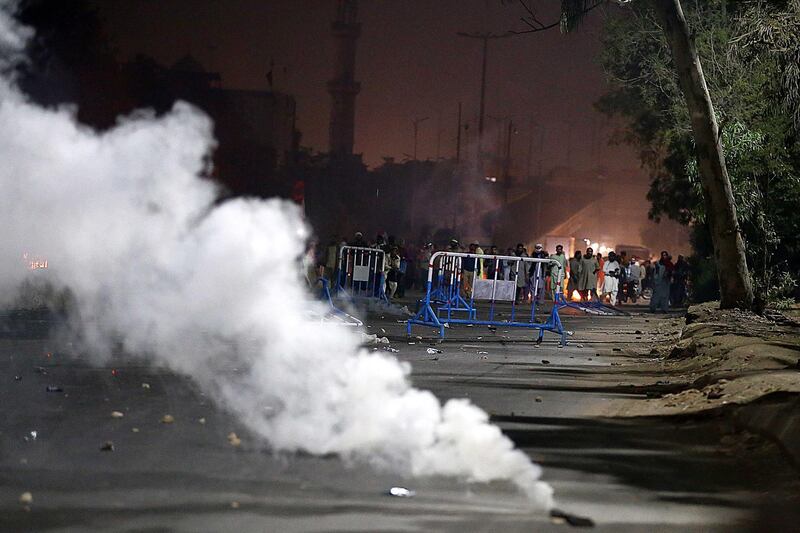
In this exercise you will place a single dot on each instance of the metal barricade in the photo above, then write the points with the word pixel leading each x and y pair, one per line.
pixel 360 273
pixel 453 288
pixel 593 307
pixel 334 313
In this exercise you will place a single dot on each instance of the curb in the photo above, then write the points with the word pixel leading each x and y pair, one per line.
pixel 777 418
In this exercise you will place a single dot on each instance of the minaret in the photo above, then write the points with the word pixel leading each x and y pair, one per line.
pixel 343 88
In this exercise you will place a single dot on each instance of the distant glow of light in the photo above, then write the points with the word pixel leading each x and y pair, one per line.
pixel 34 263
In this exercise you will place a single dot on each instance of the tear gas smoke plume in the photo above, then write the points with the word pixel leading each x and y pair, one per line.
pixel 128 226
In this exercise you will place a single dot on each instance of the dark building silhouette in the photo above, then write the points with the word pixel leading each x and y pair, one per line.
pixel 255 129
pixel 343 88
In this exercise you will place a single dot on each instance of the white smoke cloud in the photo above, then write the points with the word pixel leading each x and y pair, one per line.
pixel 126 223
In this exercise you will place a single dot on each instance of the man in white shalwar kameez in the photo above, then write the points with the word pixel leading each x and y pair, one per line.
pixel 611 278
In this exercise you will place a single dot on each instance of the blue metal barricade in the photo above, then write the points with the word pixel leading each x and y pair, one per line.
pixel 334 312
pixel 453 288
pixel 360 274
pixel 593 306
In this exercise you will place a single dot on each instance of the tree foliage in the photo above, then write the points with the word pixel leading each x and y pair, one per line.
pixel 750 52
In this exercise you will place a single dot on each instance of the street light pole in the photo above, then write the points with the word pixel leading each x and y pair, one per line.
pixel 458 136
pixel 507 166
pixel 485 36
pixel 416 122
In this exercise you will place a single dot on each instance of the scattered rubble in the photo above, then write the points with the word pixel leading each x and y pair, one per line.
pixel 400 492
pixel 559 517
pixel 234 439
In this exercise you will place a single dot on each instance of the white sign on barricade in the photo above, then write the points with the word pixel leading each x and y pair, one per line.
pixel 490 289
pixel 361 272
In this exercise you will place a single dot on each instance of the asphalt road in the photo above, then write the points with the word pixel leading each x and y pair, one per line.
pixel 641 475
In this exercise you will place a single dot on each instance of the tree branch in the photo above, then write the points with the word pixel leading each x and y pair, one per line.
pixel 535 25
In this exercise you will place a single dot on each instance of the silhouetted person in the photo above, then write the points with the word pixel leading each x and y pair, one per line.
pixel 519 272
pixel 661 282
pixel 680 275
pixel 574 274
pixel 538 272
pixel 557 274
pixel 611 269
pixel 587 283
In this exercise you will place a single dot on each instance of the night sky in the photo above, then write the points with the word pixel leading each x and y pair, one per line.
pixel 410 63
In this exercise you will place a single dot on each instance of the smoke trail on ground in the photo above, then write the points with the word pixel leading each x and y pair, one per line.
pixel 128 226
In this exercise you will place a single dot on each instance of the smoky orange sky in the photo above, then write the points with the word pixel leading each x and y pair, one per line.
pixel 410 64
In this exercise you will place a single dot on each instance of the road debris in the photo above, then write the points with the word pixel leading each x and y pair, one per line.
pixel 145 385
pixel 135 430
pixel 556 516
pixel 234 505
pixel 545 362
pixel 433 350
pixel 108 446
pixel 167 419
pixel 54 388
pixel 117 414
pixel 201 420
pixel 538 399
pixel 234 439
pixel 26 498
pixel 17 378
pixel 373 339
pixel 400 492
pixel 33 435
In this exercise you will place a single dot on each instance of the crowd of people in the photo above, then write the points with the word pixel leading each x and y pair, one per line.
pixel 586 276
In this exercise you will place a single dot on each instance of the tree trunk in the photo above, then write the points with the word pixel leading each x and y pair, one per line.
pixel 734 281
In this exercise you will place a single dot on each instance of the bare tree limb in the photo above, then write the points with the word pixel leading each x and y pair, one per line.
pixel 535 25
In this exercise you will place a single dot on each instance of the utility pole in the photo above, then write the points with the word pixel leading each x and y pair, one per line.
pixel 507 165
pixel 456 171
pixel 528 177
pixel 416 122
pixel 438 135
pixel 458 136
pixel 484 36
